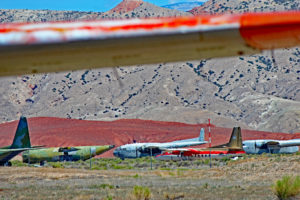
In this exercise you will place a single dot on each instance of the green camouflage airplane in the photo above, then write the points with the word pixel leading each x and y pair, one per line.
pixel 20 143
pixel 57 154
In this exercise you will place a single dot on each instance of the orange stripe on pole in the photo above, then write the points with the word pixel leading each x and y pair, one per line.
pixel 271 30
pixel 102 25
pixel 270 18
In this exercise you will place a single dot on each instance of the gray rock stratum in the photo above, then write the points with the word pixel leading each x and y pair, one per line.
pixel 256 92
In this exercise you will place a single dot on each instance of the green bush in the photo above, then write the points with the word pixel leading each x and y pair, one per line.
pixel 56 164
pixel 225 159
pixel 103 186
pixel 206 161
pixel 140 192
pixel 109 197
pixel 136 176
pixel 287 187
pixel 18 163
pixel 165 168
pixel 205 186
pixel 113 166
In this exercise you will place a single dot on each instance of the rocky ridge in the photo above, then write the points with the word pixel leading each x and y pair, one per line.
pixel 257 92
pixel 16 16
pixel 241 6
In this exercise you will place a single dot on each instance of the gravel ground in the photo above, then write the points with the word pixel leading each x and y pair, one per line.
pixel 250 177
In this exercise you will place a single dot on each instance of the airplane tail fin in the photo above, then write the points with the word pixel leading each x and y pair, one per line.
pixel 202 135
pixel 22 139
pixel 236 138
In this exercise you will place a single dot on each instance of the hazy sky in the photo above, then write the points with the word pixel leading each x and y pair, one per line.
pixel 80 5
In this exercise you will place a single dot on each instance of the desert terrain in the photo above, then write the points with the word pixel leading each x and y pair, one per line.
pixel 157 103
pixel 250 177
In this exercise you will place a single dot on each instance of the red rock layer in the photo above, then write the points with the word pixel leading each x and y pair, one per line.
pixel 53 132
pixel 126 6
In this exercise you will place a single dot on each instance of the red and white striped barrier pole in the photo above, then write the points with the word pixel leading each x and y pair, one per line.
pixel 209 143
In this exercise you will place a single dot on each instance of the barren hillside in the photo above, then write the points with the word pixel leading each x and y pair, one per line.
pixel 241 6
pixel 7 16
pixel 257 92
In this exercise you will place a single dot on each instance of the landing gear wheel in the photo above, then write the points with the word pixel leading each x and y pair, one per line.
pixel 8 164
pixel 42 163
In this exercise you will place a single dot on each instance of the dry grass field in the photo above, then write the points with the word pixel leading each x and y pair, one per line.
pixel 250 177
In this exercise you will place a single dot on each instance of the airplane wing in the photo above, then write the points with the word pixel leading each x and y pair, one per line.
pixel 15 150
pixel 37 147
pixel 61 46
pixel 181 150
pixel 283 143
pixel 164 146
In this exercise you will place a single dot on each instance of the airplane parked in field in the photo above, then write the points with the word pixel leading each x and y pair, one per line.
pixel 20 143
pixel 231 149
pixel 271 146
pixel 137 150
pixel 58 154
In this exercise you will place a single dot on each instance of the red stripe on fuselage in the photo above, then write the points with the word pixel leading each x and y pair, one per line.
pixel 192 152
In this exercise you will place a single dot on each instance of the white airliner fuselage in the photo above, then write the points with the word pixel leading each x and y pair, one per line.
pixel 271 146
pixel 137 150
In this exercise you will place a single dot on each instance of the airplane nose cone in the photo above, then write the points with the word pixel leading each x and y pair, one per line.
pixel 25 158
pixel 116 153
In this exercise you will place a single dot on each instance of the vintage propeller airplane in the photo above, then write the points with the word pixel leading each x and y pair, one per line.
pixel 233 148
pixel 61 46
pixel 20 143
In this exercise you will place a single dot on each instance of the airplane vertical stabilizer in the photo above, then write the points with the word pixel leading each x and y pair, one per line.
pixel 196 139
pixel 202 135
pixel 236 138
pixel 21 139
